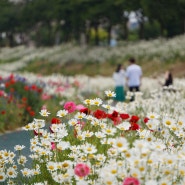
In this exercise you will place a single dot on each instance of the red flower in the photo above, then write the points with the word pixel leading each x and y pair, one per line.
pixel 134 119
pixel 131 181
pixel 55 121
pixel 134 126
pixel 70 106
pixel 146 120
pixel 37 133
pixel 99 114
pixel 12 90
pixel 124 116
pixel 113 115
pixel 7 84
pixel 81 170
pixel 85 110
pixel 39 90
pixel 34 87
pixel 24 99
pixel 2 93
pixel 117 120
pixel 3 112
pixel 32 113
pixel 28 108
pixel 26 88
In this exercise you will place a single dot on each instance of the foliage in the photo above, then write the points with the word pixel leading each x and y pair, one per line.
pixel 71 19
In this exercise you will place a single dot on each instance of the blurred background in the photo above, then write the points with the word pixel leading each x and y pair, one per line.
pixel 91 22
pixel 81 35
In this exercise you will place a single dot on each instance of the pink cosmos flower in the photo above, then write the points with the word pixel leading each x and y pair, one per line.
pixel 60 89
pixel 70 106
pixel 53 146
pixel 80 107
pixel 2 93
pixel 45 96
pixel 131 181
pixel 81 170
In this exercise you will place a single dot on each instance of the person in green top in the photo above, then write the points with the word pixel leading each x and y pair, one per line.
pixel 119 80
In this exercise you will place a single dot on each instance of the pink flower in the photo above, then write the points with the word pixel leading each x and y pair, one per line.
pixel 81 170
pixel 60 89
pixel 80 107
pixel 45 96
pixel 53 146
pixel 2 93
pixel 70 106
pixel 82 124
pixel 131 181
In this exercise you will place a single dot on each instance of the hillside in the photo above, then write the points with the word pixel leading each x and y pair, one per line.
pixel 154 56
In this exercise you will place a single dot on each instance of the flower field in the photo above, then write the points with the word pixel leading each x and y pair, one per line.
pixel 78 134
pixel 94 142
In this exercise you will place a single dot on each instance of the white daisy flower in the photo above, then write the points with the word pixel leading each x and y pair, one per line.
pixel 44 112
pixel 22 160
pixel 89 148
pixel 72 122
pixel 3 176
pixel 97 101
pixel 51 166
pixel 110 94
pixel 123 126
pixel 80 115
pixel 62 113
pixel 18 147
pixel 88 102
pixel 63 145
pixel 39 123
pixel 11 172
pixel 99 135
pixel 152 115
pixel 26 172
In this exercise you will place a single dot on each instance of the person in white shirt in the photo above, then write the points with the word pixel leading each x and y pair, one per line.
pixel 119 80
pixel 133 75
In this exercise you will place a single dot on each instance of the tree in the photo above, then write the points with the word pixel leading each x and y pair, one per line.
pixel 168 13
pixel 9 20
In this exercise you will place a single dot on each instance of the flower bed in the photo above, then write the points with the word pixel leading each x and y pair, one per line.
pixel 139 142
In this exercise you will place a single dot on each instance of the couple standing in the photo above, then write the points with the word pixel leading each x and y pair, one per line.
pixel 132 75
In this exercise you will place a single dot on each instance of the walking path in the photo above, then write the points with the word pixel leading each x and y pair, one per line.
pixel 19 137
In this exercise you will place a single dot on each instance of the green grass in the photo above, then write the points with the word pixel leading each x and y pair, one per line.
pixel 150 68
pixel 10 60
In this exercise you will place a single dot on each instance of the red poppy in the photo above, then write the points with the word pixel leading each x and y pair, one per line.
pixel 124 116
pixel 39 90
pixel 100 114
pixel 134 126
pixel 26 88
pixel 32 113
pixel 36 133
pixel 12 90
pixel 113 115
pixel 12 81
pixel 134 119
pixel 117 120
pixel 24 99
pixel 85 110
pixel 28 108
pixel 34 87
pixel 55 121
pixel 3 112
pixel 146 120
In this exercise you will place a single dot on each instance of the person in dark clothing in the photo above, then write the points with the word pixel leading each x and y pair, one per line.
pixel 168 79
